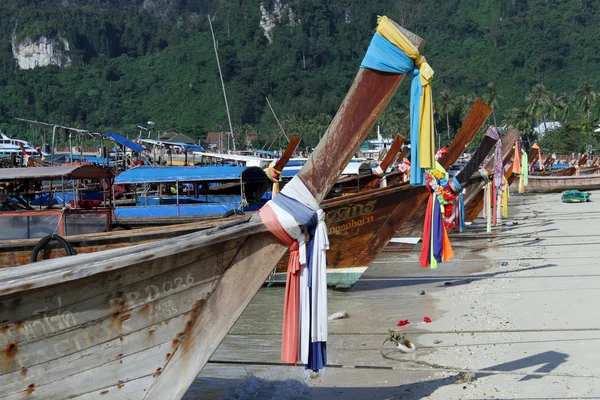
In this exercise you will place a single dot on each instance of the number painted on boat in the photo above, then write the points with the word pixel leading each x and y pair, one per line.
pixel 162 310
pixel 150 293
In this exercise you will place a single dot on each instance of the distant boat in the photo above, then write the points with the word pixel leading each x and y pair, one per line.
pixel 553 184
pixel 373 148
pixel 10 146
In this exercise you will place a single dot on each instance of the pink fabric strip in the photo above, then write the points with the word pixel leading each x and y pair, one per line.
pixel 289 337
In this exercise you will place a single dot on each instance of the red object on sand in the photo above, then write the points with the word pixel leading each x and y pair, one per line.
pixel 403 322
pixel 427 319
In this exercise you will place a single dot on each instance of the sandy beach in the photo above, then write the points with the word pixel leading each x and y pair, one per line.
pixel 513 317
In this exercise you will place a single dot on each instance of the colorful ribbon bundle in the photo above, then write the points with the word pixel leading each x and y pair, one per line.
pixel 524 178
pixel 458 207
pixel 436 245
pixel 391 51
pixel 539 156
pixel 441 153
pixel 380 173
pixel 304 333
pixel 274 177
pixel 505 196
pixel 521 167
pixel 490 199
pixel 494 133
pixel 405 169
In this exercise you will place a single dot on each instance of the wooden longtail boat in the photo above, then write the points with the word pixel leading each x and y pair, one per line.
pixel 553 184
pixel 410 233
pixel 474 193
pixel 360 225
pixel 475 206
pixel 140 322
pixel 355 184
pixel 20 251
pixel 582 168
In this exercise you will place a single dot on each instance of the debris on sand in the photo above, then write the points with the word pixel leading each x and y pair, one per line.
pixel 465 377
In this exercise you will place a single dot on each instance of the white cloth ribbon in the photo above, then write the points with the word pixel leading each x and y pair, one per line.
pixel 318 328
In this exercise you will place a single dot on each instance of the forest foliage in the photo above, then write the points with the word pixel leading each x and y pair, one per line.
pixel 140 60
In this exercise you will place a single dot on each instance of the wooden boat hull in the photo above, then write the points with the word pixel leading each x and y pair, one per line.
pixel 18 252
pixel 141 322
pixel 352 222
pixel 361 225
pixel 554 184
pixel 117 320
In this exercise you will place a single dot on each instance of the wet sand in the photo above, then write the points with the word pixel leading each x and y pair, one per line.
pixel 527 329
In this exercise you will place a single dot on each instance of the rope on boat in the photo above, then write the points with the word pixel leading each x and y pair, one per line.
pixel 47 239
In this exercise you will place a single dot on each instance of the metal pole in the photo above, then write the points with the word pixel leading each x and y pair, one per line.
pixel 52 150
pixel 276 119
pixel 71 148
pixel 222 83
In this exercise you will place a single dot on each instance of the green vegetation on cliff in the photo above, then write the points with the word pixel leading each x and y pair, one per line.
pixel 139 60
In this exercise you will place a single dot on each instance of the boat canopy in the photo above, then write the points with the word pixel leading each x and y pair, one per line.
pixel 190 174
pixel 57 172
pixel 357 168
pixel 191 147
pixel 268 153
pixel 124 142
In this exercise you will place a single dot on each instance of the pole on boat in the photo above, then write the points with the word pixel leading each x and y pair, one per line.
pixel 277 119
pixel 222 84
pixel 52 149
pixel 71 147
pixel 392 152
pixel 287 154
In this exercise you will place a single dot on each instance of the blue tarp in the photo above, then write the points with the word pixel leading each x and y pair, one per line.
pixel 67 196
pixel 554 166
pixel 269 153
pixel 124 142
pixel 295 163
pixel 192 147
pixel 190 174
pixel 184 210
pixel 97 160
pixel 170 200
pixel 289 172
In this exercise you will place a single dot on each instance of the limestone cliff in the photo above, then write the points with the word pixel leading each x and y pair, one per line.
pixel 41 52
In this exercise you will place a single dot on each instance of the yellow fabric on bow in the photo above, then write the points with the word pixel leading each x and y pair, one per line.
pixel 426 135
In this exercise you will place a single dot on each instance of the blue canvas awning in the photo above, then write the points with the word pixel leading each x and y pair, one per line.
pixel 192 147
pixel 269 153
pixel 124 142
pixel 190 174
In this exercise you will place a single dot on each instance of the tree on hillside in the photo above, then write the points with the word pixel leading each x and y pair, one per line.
pixel 463 105
pixel 569 100
pixel 520 119
pixel 555 104
pixel 491 98
pixel 586 99
pixel 537 100
pixel 446 106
